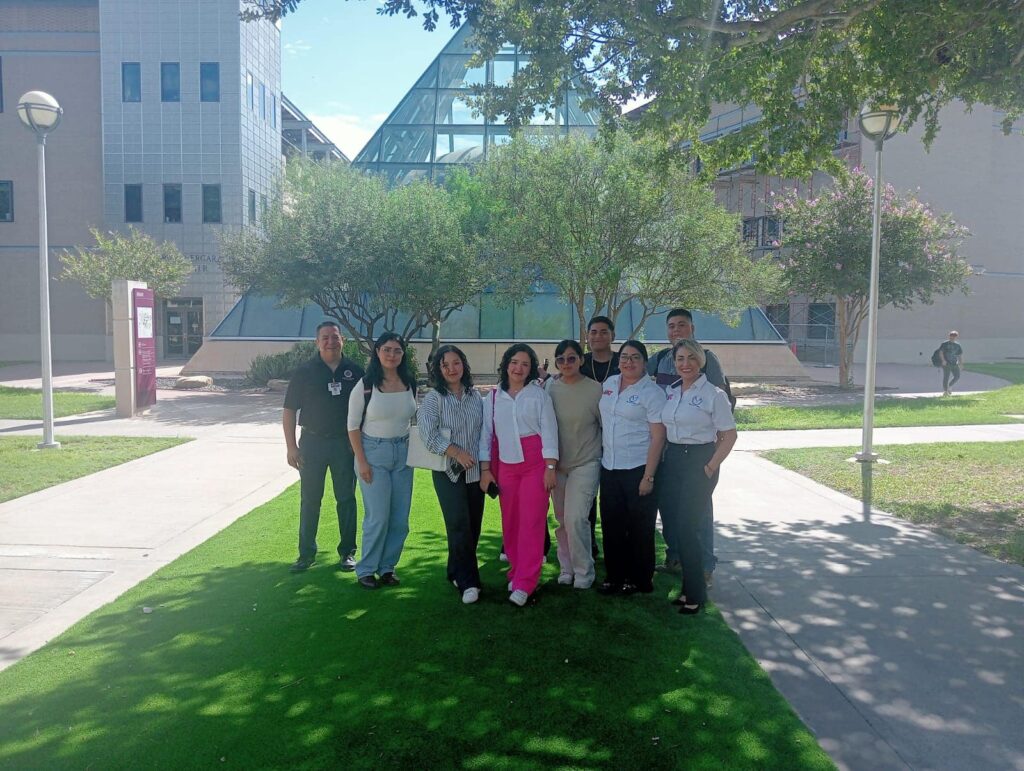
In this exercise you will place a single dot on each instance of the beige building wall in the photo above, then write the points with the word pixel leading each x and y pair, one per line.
pixel 976 173
pixel 59 56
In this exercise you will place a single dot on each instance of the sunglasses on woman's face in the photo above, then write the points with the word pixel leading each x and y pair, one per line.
pixel 570 359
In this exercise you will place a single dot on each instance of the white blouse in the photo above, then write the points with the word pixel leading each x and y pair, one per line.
pixel 529 412
pixel 626 417
pixel 696 415
pixel 387 416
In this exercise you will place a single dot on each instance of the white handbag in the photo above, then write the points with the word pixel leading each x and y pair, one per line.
pixel 421 457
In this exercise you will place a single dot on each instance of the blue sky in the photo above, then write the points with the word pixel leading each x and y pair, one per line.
pixel 346 67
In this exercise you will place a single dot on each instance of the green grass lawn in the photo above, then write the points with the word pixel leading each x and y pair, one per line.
pixel 973 492
pixel 1007 370
pixel 243 665
pixel 27 403
pixel 974 409
pixel 26 469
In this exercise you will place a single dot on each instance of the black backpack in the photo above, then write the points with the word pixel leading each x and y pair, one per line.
pixel 937 358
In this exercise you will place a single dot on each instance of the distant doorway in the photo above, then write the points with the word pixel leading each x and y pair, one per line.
pixel 184 317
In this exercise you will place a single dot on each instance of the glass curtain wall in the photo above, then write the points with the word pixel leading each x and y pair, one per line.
pixel 434 126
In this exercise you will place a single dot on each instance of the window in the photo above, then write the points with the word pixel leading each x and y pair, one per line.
pixel 170 82
pixel 250 90
pixel 750 230
pixel 779 316
pixel 821 321
pixel 6 202
pixel 211 203
pixel 209 82
pixel 252 206
pixel 273 110
pixel 1 84
pixel 133 203
pixel 263 101
pixel 172 203
pixel 263 207
pixel 131 82
pixel 772 231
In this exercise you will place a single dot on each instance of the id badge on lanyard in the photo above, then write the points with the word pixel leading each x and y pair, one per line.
pixel 335 388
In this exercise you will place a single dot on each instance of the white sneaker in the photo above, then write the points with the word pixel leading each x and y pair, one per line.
pixel 565 579
pixel 471 595
pixel 510 586
pixel 518 597
pixel 582 584
pixel 503 557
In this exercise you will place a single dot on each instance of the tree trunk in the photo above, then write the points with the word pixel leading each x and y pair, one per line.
pixel 581 313
pixel 435 336
pixel 845 354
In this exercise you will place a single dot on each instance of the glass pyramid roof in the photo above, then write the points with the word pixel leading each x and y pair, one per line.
pixel 434 127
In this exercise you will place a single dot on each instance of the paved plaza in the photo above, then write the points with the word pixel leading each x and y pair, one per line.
pixel 898 648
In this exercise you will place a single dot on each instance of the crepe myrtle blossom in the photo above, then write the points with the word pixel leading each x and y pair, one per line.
pixel 826 242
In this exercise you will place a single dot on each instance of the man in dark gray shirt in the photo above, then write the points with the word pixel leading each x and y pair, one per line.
pixel 663 369
pixel 952 356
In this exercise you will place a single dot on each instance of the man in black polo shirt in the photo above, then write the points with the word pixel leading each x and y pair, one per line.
pixel 318 395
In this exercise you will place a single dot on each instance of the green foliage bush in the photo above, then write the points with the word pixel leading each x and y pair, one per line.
pixel 280 366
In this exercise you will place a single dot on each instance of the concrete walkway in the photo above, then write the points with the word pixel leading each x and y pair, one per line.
pixel 899 649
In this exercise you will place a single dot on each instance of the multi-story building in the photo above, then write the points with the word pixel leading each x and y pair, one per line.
pixel 172 125
pixel 972 171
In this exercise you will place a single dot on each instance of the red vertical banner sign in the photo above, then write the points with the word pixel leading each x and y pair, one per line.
pixel 144 339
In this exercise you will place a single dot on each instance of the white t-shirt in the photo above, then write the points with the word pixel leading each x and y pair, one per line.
pixel 626 417
pixel 387 416
pixel 696 415
pixel 529 412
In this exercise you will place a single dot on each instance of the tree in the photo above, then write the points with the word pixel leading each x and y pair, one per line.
pixel 134 256
pixel 372 258
pixel 827 243
pixel 607 225
pixel 805 64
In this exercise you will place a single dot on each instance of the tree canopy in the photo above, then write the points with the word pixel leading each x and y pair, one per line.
pixel 804 64
pixel 827 242
pixel 609 226
pixel 134 256
pixel 372 258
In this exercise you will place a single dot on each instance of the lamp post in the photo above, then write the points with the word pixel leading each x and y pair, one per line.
pixel 877 124
pixel 41 113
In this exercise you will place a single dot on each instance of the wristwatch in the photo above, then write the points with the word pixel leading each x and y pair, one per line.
pixel 551 466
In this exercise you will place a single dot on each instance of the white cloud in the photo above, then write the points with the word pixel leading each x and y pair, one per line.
pixel 297 47
pixel 349 132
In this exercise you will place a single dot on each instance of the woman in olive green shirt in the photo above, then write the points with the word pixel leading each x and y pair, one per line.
pixel 579 463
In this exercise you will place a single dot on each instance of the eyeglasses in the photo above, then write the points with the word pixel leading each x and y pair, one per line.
pixel 566 359
pixel 391 350
pixel 628 357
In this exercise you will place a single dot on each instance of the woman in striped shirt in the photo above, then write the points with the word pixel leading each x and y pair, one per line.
pixel 449 422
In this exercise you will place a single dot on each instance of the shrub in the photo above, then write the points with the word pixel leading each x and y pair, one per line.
pixel 280 366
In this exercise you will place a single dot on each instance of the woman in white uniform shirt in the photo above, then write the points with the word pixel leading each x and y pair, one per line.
pixel 519 451
pixel 633 437
pixel 701 433
pixel 379 432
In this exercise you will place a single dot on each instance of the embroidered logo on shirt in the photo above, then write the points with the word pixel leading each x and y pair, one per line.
pixel 347 374
pixel 671 397
pixel 607 393
pixel 696 401
pixel 634 399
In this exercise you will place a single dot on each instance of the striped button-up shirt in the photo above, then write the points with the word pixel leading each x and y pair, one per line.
pixel 461 417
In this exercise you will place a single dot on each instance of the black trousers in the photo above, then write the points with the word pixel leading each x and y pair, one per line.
pixel 320 453
pixel 684 496
pixel 462 506
pixel 627 525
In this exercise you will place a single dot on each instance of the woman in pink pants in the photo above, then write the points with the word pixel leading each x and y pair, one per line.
pixel 519 452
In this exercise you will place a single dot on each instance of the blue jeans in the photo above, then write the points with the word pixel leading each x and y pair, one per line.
pixel 386 503
pixel 318 454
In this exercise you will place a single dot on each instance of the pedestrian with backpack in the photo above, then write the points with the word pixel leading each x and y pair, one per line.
pixel 951 356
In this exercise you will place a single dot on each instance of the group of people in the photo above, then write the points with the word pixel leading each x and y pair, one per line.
pixel 643 434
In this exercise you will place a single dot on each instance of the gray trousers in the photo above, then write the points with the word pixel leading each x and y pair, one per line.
pixel 320 453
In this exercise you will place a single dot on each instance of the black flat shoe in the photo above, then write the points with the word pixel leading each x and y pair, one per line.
pixel 691 610
pixel 389 579
pixel 608 588
pixel 680 600
pixel 369 582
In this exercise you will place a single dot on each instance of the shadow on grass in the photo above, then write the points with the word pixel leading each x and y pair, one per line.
pixel 241 663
